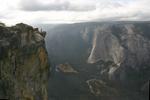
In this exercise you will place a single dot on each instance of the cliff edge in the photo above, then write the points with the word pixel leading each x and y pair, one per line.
pixel 24 64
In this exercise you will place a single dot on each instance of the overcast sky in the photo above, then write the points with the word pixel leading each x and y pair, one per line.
pixel 70 11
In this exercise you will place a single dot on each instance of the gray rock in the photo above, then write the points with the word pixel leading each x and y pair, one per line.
pixel 24 66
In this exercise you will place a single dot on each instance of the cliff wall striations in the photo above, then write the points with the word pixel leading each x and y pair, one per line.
pixel 24 63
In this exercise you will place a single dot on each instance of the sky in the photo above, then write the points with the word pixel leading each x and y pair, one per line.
pixel 72 11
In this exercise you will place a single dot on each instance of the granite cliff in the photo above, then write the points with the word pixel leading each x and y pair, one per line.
pixel 114 53
pixel 24 63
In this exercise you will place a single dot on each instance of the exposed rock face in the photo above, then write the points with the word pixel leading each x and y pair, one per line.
pixel 66 68
pixel 123 44
pixel 100 88
pixel 105 46
pixel 129 46
pixel 24 64
pixel 114 52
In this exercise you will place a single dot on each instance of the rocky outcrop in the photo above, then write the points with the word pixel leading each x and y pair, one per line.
pixel 24 63
pixel 100 88
pixel 66 68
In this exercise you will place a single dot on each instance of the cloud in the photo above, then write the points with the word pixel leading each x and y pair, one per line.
pixel 1 16
pixel 56 5
pixel 72 11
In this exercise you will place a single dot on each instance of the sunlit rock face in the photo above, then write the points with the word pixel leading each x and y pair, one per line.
pixel 105 46
pixel 124 44
pixel 129 46
pixel 24 63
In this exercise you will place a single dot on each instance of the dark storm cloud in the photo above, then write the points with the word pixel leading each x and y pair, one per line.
pixel 34 5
